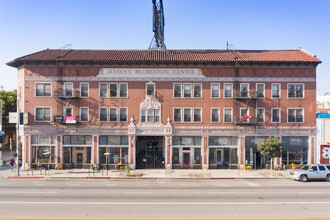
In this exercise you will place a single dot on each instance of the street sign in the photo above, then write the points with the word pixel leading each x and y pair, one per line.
pixel 2 133
pixel 12 117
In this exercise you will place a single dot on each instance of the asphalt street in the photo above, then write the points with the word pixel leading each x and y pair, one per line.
pixel 164 199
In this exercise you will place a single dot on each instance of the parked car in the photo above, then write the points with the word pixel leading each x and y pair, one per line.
pixel 309 172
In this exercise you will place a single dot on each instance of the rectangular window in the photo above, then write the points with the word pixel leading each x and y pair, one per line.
pixel 296 115
pixel 123 114
pixel 276 88
pixel 84 114
pixel 260 113
pixel 150 115
pixel 84 90
pixel 215 115
pixel 68 112
pixel 197 90
pixel 103 114
pixel 295 90
pixel 150 89
pixel 228 90
pixel 197 115
pixel 177 90
pixel 113 114
pixel 187 90
pixel 113 90
pixel 68 89
pixel 260 90
pixel 177 114
pixel 103 90
pixel 187 115
pixel 42 114
pixel 244 112
pixel 43 90
pixel 227 115
pixel 123 90
pixel 215 90
pixel 244 90
pixel 276 115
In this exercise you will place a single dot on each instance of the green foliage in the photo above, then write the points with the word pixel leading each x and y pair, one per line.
pixel 128 169
pixel 271 147
pixel 9 104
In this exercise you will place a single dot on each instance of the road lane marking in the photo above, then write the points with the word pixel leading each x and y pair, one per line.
pixel 161 203
pixel 138 192
pixel 222 192
pixel 39 184
pixel 164 218
pixel 310 192
pixel 14 192
pixel 253 184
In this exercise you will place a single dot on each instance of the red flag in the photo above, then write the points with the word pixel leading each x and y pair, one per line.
pixel 246 117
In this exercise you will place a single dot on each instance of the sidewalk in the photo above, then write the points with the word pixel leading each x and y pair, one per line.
pixel 145 174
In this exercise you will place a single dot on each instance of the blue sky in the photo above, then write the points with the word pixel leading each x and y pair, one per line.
pixel 27 26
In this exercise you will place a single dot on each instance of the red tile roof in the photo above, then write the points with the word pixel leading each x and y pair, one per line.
pixel 166 56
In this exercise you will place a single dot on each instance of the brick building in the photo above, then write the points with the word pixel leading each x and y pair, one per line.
pixel 166 108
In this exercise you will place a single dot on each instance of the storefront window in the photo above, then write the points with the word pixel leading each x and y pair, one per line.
pixel 294 150
pixel 77 140
pixel 43 149
pixel 176 156
pixel 67 154
pixel 197 156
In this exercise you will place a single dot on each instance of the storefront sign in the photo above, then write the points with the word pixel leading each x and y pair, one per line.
pixel 58 119
pixel 71 119
pixel 166 72
pixel 325 153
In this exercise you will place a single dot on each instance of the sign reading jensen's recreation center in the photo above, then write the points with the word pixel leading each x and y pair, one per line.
pixel 167 72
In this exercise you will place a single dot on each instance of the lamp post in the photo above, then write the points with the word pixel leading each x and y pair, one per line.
pixel 107 161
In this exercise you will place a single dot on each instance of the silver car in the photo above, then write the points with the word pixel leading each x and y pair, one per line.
pixel 309 172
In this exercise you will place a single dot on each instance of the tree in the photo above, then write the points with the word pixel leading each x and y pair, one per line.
pixel 271 147
pixel 9 104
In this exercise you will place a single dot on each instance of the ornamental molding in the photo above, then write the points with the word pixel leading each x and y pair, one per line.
pixel 199 79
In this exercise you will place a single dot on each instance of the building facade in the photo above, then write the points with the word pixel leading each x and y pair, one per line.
pixel 195 109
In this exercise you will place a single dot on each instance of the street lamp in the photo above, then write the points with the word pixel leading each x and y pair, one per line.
pixel 107 161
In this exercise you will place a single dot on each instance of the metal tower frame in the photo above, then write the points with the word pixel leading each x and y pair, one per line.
pixel 157 41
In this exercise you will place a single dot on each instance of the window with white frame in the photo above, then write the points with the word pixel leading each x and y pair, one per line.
pixel 244 113
pixel 150 88
pixel 197 115
pixel 103 90
pixel 68 89
pixel 276 90
pixel 43 114
pixel 113 114
pixel 177 114
pixel 295 90
pixel 215 115
pixel 296 115
pixel 276 115
pixel 43 148
pixel 187 114
pixel 177 90
pixel 150 115
pixel 244 90
pixel 103 114
pixel 84 114
pixel 227 115
pixel 123 88
pixel 123 114
pixel 187 90
pixel 84 90
pixel 260 87
pixel 197 90
pixel 68 111
pixel 43 89
pixel 113 90
pixel 215 90
pixel 228 90
pixel 260 113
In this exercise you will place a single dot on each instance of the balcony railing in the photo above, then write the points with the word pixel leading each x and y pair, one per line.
pixel 245 95
pixel 62 94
